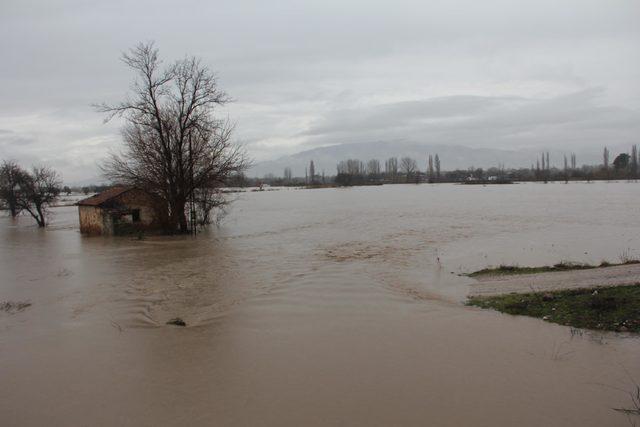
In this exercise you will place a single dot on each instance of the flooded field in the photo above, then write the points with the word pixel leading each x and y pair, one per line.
pixel 316 307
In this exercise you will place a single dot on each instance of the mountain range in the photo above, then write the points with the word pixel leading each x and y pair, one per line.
pixel 451 157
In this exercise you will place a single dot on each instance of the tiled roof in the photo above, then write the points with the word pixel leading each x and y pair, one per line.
pixel 103 197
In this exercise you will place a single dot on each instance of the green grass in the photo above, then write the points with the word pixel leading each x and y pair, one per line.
pixel 562 266
pixel 615 308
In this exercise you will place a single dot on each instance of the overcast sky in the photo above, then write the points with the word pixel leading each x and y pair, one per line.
pixel 497 74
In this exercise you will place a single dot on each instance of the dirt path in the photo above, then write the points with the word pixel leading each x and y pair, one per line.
pixel 608 276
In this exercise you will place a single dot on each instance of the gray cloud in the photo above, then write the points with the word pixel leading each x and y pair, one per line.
pixel 403 114
pixel 495 74
pixel 499 122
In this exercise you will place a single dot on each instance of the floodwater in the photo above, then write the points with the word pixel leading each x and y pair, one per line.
pixel 316 307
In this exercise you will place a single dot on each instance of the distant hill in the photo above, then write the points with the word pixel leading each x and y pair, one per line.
pixel 96 180
pixel 451 157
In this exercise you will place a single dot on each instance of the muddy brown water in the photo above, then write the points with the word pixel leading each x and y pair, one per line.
pixel 316 307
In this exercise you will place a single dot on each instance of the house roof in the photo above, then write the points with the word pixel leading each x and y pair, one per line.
pixel 104 197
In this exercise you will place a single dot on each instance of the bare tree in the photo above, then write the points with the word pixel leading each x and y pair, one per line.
pixel 355 167
pixel 408 166
pixel 546 167
pixel 501 174
pixel 566 170
pixel 173 144
pixel 437 164
pixel 287 174
pixel 350 172
pixel 206 200
pixel 373 169
pixel 37 191
pixel 391 168
pixel 605 161
pixel 11 176
pixel 430 170
pixel 312 172
pixel 548 163
pixel 548 172
pixel 634 162
pixel 573 161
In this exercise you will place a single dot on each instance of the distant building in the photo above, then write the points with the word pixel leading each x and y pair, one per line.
pixel 119 210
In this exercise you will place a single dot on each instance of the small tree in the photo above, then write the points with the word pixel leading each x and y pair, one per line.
pixel 312 172
pixel 430 171
pixel 206 200
pixel 11 177
pixel 350 172
pixel 408 166
pixel 545 171
pixel 634 162
pixel 621 162
pixel 437 164
pixel 373 169
pixel 547 175
pixel 501 174
pixel 391 168
pixel 37 191
pixel 605 161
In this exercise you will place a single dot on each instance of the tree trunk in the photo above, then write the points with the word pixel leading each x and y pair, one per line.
pixel 184 226
pixel 40 218
pixel 178 219
pixel 174 209
pixel 13 208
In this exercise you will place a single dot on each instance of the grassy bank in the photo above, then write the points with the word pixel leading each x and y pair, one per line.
pixel 563 266
pixel 614 308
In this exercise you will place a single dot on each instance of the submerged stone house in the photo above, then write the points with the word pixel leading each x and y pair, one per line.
pixel 119 210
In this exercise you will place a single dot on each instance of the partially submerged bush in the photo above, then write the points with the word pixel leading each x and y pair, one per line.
pixel 13 307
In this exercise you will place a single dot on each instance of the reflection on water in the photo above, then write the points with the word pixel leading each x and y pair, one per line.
pixel 315 307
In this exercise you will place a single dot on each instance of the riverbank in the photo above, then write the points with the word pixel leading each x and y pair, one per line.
pixel 604 297
pixel 614 308
pixel 562 266
pixel 495 285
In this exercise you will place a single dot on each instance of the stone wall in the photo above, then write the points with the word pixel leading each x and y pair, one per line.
pixel 91 220
pixel 137 199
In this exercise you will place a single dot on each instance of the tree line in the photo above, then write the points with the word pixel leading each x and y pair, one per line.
pixel 396 170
